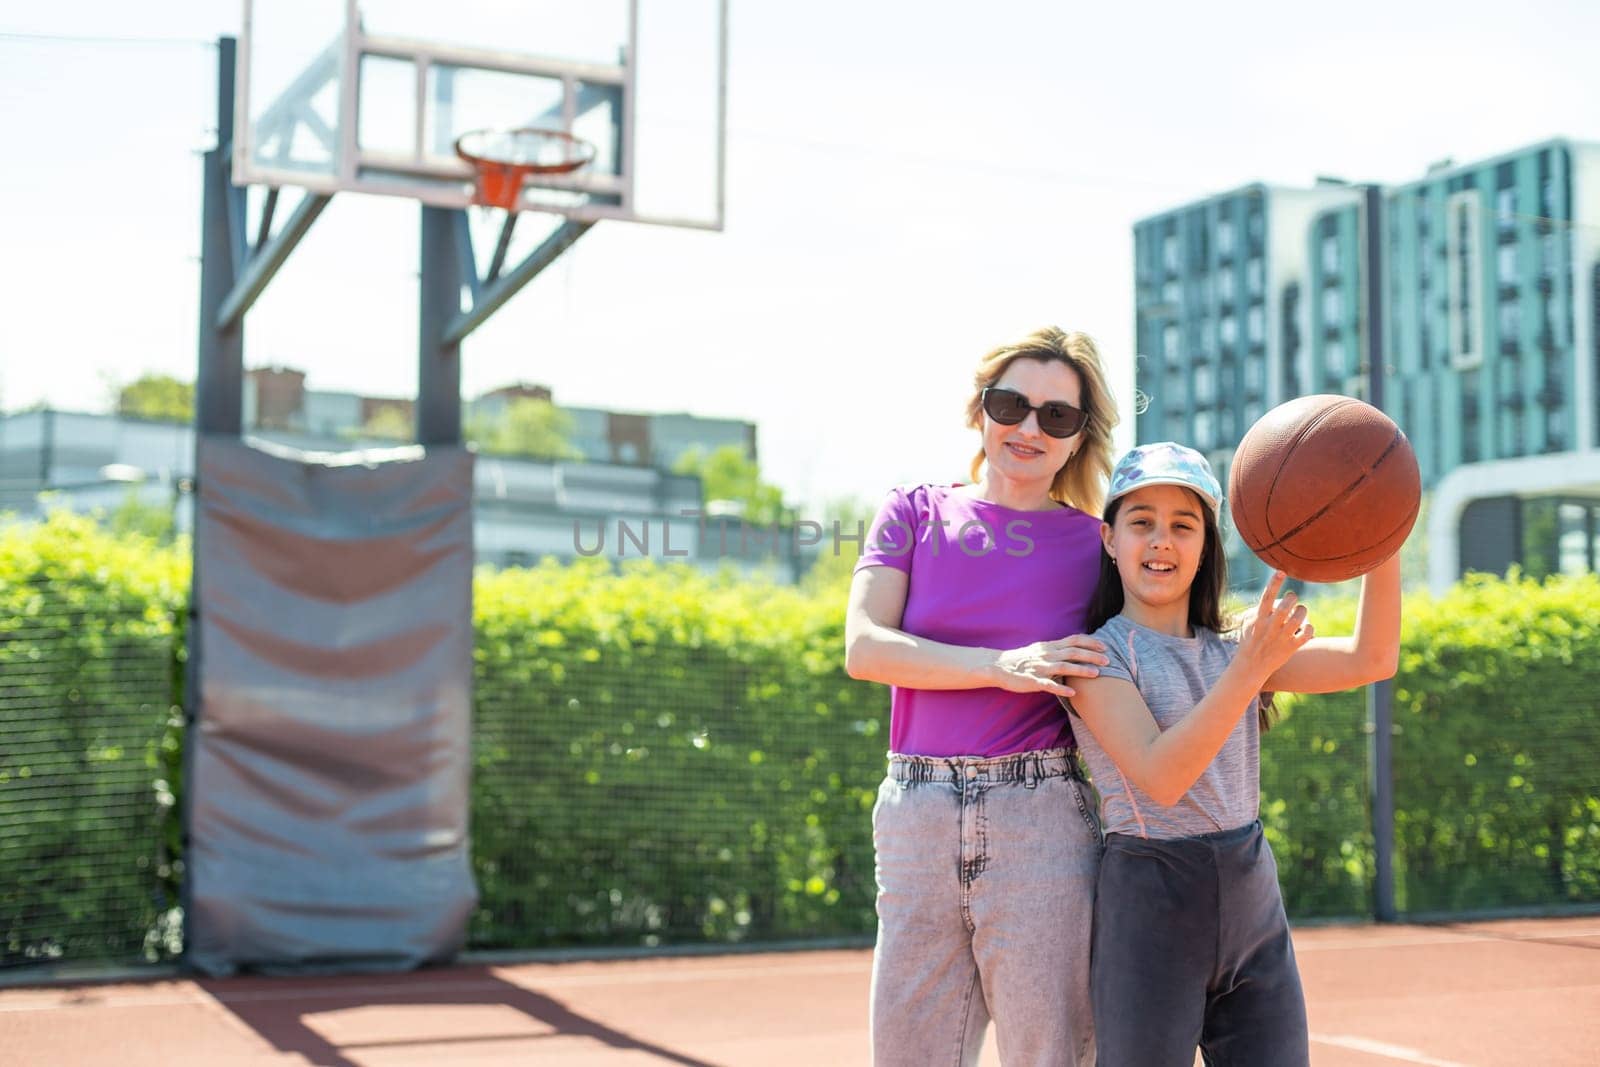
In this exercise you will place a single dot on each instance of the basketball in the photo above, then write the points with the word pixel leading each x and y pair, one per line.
pixel 1324 488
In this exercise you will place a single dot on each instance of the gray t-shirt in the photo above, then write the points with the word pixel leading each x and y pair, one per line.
pixel 1173 674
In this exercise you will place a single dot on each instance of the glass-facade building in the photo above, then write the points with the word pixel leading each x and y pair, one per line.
pixel 1490 319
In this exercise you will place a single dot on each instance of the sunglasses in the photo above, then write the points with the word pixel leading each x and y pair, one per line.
pixel 1056 417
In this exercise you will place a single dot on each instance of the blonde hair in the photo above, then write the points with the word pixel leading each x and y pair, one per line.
pixel 1081 483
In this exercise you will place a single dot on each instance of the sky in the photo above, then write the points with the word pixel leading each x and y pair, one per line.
pixel 909 184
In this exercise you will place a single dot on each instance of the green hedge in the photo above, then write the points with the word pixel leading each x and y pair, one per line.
pixel 1496 778
pixel 662 755
pixel 89 741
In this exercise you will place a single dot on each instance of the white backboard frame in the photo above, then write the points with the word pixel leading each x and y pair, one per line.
pixel 431 176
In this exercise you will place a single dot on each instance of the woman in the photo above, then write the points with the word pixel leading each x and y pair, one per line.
pixel 969 600
pixel 1191 944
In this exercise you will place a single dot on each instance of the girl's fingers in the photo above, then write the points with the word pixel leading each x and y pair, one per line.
pixel 1269 595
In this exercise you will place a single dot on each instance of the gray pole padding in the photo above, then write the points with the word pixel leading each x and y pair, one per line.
pixel 329 789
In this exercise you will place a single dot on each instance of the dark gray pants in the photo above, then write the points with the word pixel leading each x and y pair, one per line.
pixel 1191 948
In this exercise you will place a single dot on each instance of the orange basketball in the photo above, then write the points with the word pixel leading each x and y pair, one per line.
pixel 1324 488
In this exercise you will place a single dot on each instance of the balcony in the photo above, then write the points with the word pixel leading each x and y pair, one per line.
pixel 1553 393
pixel 1509 347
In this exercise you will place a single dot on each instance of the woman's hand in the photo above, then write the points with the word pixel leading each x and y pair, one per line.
pixel 1040 666
pixel 1277 630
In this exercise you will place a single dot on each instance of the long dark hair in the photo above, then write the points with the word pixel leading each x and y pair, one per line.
pixel 1206 592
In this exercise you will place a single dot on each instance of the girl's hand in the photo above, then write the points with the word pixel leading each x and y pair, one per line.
pixel 1038 667
pixel 1277 630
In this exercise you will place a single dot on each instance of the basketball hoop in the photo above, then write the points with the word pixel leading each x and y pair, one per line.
pixel 504 159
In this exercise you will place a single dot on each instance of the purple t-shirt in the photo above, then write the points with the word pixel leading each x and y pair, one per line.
pixel 990 577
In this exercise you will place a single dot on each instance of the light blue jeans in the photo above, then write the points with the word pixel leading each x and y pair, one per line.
pixel 986 875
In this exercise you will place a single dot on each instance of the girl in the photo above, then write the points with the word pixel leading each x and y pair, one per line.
pixel 963 600
pixel 1191 945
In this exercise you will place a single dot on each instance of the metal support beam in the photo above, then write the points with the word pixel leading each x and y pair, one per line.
pixel 469 258
pixel 219 384
pixel 500 248
pixel 238 210
pixel 439 354
pixel 1380 695
pixel 268 208
pixel 502 289
pixel 264 263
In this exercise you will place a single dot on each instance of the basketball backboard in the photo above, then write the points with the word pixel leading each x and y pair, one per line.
pixel 370 95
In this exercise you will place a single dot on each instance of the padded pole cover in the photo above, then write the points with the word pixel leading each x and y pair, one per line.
pixel 330 760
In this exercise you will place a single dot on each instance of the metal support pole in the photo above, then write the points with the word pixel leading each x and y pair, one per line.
pixel 218 399
pixel 439 359
pixel 1380 695
pixel 219 385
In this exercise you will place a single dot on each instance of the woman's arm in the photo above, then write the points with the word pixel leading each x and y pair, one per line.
pixel 1329 664
pixel 1165 763
pixel 877 650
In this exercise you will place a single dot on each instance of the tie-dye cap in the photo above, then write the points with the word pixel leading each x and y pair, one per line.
pixel 1165 463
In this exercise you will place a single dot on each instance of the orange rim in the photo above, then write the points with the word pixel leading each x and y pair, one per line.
pixel 501 174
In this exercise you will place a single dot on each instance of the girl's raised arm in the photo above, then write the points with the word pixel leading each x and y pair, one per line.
pixel 1165 763
pixel 1328 664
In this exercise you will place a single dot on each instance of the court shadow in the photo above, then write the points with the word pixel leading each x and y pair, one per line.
pixel 329 1019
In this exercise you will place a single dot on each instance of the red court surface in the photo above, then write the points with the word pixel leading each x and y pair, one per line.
pixel 1510 992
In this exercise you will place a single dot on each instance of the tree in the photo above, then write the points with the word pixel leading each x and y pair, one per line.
pixel 835 565
pixel 529 426
pixel 136 517
pixel 157 396
pixel 727 474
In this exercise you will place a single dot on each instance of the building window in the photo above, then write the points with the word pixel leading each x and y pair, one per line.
pixel 1225 286
pixel 1470 450
pixel 1225 238
pixel 1169 253
pixel 1462 277
pixel 1550 254
pixel 1256 225
pixel 1205 385
pixel 1572 539
pixel 1254 373
pixel 1333 358
pixel 1169 343
pixel 1255 325
pixel 1330 254
pixel 1174 385
pixel 1553 420
pixel 1254 278
pixel 1332 306
pixel 1510 320
pixel 1547 198
pixel 1203 439
pixel 1505 208
pixel 1253 412
pixel 1506 264
pixel 1172 294
pixel 1228 331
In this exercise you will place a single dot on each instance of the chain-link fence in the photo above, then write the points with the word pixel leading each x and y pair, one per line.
pixel 651 770
pixel 87 706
